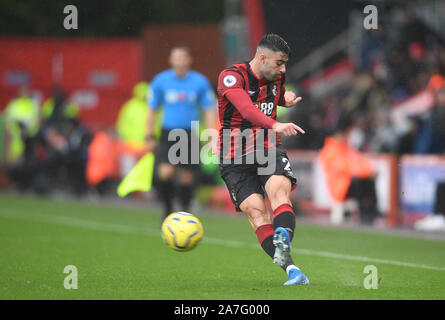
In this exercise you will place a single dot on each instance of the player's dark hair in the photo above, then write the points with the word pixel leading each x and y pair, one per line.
pixel 274 42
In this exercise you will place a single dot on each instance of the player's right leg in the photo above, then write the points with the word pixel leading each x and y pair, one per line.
pixel 260 220
pixel 247 196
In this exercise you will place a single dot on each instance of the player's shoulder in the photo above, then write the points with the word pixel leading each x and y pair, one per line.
pixel 234 72
pixel 231 77
pixel 235 68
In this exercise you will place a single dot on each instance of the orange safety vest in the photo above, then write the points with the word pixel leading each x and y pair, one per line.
pixel 341 163
pixel 103 158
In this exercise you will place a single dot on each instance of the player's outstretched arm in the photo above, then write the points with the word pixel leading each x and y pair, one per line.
pixel 241 100
pixel 288 129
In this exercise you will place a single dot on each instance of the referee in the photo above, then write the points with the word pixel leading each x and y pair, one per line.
pixel 182 93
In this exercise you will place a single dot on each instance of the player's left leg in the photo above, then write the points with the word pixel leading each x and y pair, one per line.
pixel 255 210
pixel 278 188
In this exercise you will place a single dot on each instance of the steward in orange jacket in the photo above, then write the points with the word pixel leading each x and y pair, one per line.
pixel 341 163
pixel 348 175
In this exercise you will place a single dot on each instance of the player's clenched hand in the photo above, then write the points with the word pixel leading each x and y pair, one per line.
pixel 291 99
pixel 288 129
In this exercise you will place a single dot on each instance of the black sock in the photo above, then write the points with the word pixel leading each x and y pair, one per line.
pixel 185 194
pixel 165 190
pixel 284 217
pixel 265 238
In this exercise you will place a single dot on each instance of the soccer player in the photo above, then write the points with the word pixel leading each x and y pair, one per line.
pixel 182 93
pixel 248 96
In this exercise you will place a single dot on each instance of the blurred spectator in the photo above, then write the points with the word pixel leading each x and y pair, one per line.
pixel 131 127
pixel 65 142
pixel 394 65
pixel 348 175
pixel 384 137
pixel 62 144
pixel 102 167
pixel 406 142
pixel 58 106
pixel 356 136
pixel 374 43
pixel 21 117
pixel 431 136
pixel 22 122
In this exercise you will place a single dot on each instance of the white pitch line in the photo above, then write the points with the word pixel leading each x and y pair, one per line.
pixel 366 259
pixel 112 227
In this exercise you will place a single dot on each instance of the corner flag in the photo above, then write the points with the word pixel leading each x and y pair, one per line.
pixel 139 178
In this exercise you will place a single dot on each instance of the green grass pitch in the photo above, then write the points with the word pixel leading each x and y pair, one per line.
pixel 119 254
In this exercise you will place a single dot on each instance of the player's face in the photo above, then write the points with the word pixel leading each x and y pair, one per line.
pixel 274 64
pixel 180 61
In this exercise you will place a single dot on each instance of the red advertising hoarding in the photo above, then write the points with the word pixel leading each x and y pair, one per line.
pixel 98 74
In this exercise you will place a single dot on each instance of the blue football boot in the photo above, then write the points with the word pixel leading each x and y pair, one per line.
pixel 281 241
pixel 296 277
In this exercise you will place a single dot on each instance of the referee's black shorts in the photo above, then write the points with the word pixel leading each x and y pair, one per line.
pixel 178 153
pixel 243 180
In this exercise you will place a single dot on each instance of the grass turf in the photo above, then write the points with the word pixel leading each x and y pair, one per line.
pixel 119 254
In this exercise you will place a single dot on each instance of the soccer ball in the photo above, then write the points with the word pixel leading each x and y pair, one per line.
pixel 182 231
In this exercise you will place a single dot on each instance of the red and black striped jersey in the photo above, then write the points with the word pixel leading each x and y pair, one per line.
pixel 265 95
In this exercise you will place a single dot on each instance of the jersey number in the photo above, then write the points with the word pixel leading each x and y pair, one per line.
pixel 266 108
pixel 287 166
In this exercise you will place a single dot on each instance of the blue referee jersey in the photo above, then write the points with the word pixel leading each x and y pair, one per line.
pixel 181 98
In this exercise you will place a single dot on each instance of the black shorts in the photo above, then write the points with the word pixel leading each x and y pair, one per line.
pixel 185 155
pixel 243 180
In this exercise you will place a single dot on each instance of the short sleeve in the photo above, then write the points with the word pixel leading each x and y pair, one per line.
pixel 207 97
pixel 155 95
pixel 228 80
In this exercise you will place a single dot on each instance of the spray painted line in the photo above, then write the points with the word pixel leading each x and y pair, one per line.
pixel 119 228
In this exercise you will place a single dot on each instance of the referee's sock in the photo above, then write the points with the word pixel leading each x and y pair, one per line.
pixel 165 189
pixel 185 194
